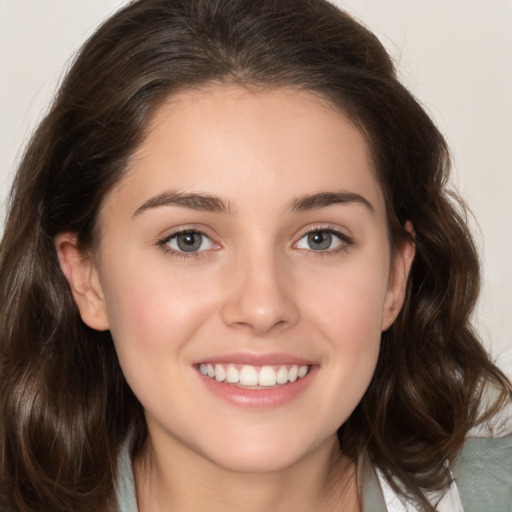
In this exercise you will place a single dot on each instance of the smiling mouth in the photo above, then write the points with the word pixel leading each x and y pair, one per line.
pixel 254 377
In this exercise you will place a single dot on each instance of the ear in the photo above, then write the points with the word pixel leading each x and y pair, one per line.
pixel 400 268
pixel 82 276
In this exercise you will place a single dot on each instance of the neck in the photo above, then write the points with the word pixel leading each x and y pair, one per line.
pixel 323 480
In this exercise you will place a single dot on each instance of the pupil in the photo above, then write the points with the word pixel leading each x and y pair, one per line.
pixel 189 242
pixel 320 240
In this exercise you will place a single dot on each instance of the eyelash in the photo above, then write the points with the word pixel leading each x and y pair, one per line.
pixel 345 242
pixel 164 244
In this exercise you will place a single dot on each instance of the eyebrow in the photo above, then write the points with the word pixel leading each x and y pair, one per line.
pixel 196 201
pixel 210 203
pixel 324 199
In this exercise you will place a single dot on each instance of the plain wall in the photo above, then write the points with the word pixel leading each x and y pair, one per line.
pixel 455 55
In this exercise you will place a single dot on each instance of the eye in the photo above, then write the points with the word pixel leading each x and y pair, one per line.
pixel 189 241
pixel 323 240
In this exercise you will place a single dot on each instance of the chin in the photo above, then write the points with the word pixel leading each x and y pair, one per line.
pixel 263 454
pixel 261 462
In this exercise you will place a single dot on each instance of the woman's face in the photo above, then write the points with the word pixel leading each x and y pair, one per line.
pixel 247 241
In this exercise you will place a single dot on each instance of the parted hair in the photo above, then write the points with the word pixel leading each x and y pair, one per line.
pixel 65 407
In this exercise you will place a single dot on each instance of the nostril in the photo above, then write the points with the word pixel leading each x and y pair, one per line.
pixel 259 300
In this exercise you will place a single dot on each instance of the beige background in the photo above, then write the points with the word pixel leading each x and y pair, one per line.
pixel 455 55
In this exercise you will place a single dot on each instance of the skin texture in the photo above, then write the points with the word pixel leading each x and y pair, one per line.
pixel 255 287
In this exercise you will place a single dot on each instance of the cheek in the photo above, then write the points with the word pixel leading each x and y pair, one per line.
pixel 152 323
pixel 346 315
pixel 350 303
pixel 147 302
pixel 152 315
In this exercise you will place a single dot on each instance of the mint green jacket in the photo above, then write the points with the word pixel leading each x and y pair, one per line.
pixel 482 471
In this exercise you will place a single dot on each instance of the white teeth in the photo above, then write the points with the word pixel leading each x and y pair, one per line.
pixel 266 376
pixel 220 373
pixel 248 376
pixel 282 375
pixel 303 370
pixel 232 374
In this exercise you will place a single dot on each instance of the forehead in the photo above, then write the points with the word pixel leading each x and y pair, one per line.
pixel 239 144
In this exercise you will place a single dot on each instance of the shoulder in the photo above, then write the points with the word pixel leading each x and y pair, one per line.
pixel 483 473
pixel 125 491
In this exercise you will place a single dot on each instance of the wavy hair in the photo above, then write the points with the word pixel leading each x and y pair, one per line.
pixel 65 407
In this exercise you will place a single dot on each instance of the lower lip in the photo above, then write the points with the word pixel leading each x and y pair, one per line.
pixel 259 398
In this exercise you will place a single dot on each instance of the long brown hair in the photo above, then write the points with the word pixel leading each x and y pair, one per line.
pixel 65 407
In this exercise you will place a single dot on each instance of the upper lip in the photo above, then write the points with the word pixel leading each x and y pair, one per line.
pixel 257 359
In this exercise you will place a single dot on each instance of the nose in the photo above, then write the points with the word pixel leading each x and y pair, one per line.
pixel 260 296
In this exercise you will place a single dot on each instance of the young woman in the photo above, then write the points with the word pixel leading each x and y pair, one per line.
pixel 232 278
